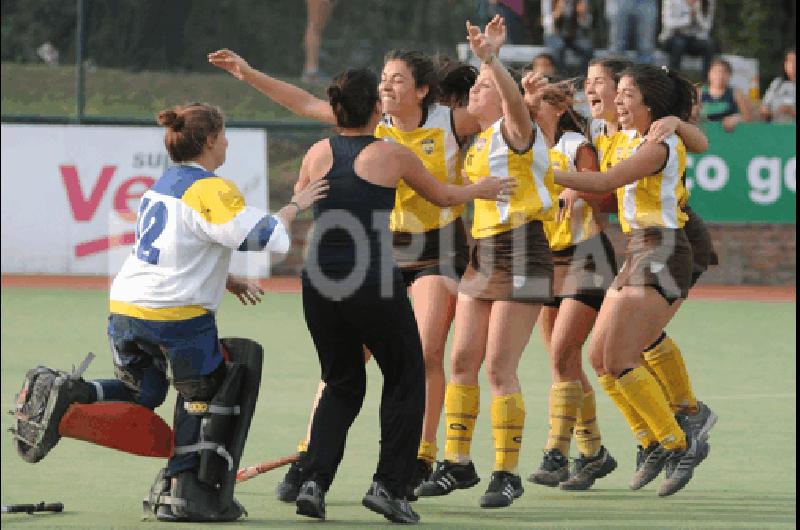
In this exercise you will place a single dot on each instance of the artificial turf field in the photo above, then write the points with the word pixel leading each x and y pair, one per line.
pixel 741 356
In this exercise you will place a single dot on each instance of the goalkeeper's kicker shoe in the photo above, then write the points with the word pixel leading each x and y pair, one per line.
pixel 588 469
pixel 447 478
pixel 311 500
pixel 653 459
pixel 680 465
pixel 395 509
pixel 698 424
pixel 503 489
pixel 288 489
pixel 553 469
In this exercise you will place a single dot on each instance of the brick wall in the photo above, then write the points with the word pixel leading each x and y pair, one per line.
pixel 749 254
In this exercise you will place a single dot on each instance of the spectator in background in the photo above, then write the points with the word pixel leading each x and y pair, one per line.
pixel 639 14
pixel 686 29
pixel 721 101
pixel 544 65
pixel 566 26
pixel 779 104
pixel 512 11
pixel 317 15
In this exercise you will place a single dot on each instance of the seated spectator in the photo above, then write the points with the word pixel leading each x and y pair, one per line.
pixel 626 15
pixel 686 29
pixel 779 104
pixel 566 26
pixel 721 101
pixel 544 64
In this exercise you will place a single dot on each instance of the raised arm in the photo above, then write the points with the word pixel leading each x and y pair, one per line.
pixel 285 94
pixel 648 160
pixel 421 181
pixel 517 123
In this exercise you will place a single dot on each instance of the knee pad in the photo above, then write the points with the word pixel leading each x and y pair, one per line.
pixel 224 403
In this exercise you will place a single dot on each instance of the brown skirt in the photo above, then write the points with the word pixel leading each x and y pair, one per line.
pixel 703 254
pixel 440 252
pixel 584 271
pixel 660 258
pixel 516 265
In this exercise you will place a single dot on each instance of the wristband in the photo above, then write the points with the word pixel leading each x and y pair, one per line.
pixel 292 203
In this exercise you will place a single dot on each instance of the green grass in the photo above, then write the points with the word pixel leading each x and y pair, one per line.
pixel 741 356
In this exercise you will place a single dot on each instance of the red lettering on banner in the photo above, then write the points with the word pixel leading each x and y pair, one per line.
pixel 124 195
pixel 84 209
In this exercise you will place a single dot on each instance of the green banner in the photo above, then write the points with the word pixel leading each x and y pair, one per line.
pixel 746 176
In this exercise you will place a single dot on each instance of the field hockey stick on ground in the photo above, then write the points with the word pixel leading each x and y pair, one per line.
pixel 30 508
pixel 246 473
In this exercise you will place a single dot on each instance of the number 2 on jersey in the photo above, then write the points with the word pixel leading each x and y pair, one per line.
pixel 152 220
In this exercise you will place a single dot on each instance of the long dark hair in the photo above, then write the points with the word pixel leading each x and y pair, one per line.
pixel 422 69
pixel 664 91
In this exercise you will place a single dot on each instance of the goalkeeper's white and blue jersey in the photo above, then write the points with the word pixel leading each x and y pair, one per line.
pixel 188 224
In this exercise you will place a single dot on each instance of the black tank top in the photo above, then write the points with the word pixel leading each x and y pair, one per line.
pixel 351 234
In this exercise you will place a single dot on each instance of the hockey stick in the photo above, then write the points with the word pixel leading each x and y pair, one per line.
pixel 30 508
pixel 246 473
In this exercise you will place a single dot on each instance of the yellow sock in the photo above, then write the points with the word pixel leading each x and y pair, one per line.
pixel 427 451
pixel 641 431
pixel 302 447
pixel 658 380
pixel 565 400
pixel 461 407
pixel 508 422
pixel 642 392
pixel 666 362
pixel 587 430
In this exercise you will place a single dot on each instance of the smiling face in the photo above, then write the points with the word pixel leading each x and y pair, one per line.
pixel 600 91
pixel 398 92
pixel 631 110
pixel 484 98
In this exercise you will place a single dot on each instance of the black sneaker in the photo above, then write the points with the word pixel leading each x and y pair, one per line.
pixel 289 487
pixel 311 500
pixel 553 469
pixel 587 470
pixel 699 424
pixel 422 472
pixel 680 466
pixel 653 460
pixel 503 489
pixel 447 478
pixel 395 509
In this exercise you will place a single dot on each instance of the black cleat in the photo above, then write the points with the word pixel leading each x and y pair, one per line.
pixel 395 509
pixel 653 459
pixel 289 487
pixel 553 469
pixel 422 472
pixel 587 470
pixel 447 478
pixel 311 500
pixel 503 489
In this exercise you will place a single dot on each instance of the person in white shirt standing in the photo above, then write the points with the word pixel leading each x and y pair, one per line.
pixel 686 29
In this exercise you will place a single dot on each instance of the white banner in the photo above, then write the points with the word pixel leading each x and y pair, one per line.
pixel 70 194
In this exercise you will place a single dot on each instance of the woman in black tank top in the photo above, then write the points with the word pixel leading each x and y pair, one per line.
pixel 354 296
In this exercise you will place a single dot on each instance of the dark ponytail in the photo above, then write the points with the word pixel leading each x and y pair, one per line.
pixel 664 91
pixel 353 95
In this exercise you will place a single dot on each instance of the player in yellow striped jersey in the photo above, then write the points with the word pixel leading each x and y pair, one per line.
pixel 658 262
pixel 508 277
pixel 429 242
pixel 662 356
pixel 584 266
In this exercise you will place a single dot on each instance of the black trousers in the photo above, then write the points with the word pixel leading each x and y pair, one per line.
pixel 386 325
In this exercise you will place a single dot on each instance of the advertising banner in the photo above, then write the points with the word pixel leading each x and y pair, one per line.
pixel 70 194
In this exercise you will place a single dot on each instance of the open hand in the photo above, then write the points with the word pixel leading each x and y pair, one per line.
pixel 311 193
pixel 246 290
pixel 479 43
pixel 229 61
pixel 661 129
pixel 496 33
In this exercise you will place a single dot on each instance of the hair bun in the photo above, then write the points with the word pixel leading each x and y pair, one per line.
pixel 334 94
pixel 170 118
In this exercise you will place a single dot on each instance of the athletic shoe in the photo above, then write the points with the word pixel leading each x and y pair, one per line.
pixel 553 469
pixel 680 466
pixel 653 460
pixel 311 500
pixel 503 489
pixel 698 424
pixel 397 510
pixel 289 487
pixel 422 472
pixel 587 470
pixel 447 478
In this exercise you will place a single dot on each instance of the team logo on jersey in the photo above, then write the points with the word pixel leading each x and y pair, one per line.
pixel 428 146
pixel 480 143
